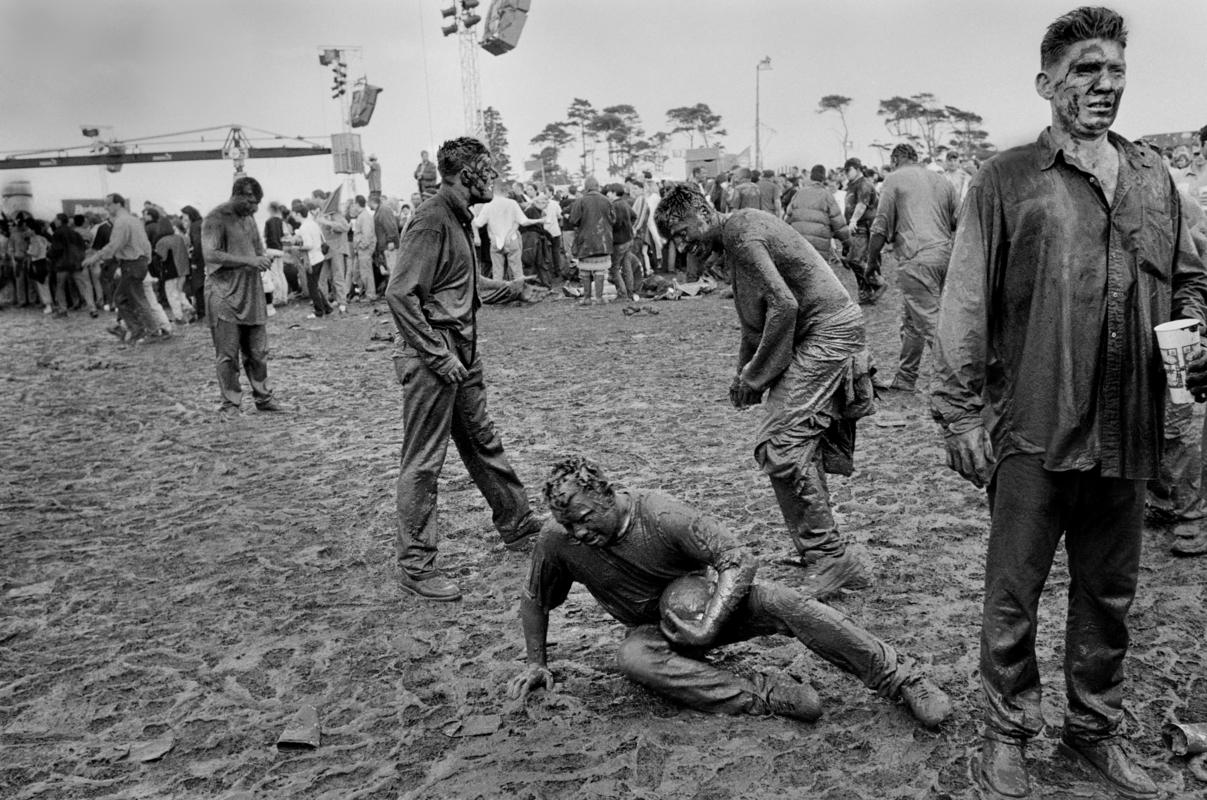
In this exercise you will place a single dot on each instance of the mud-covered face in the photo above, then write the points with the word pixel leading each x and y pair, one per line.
pixel 1085 87
pixel 479 179
pixel 689 233
pixel 589 519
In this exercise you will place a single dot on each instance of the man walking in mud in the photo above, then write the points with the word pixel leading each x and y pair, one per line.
pixel 1050 390
pixel 803 345
pixel 627 546
pixel 433 295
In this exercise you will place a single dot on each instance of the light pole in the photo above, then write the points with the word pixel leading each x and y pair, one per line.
pixel 758 155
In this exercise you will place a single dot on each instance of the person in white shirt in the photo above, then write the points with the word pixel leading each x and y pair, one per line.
pixel 312 245
pixel 502 218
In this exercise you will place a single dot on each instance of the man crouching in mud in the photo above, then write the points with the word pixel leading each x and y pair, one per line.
pixel 802 343
pixel 627 546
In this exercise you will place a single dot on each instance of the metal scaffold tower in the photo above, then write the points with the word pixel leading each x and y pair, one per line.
pixel 463 23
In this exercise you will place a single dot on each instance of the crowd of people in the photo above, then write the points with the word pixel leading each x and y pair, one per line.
pixel 1036 279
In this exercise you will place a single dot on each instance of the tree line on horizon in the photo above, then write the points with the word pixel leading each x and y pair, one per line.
pixel 618 130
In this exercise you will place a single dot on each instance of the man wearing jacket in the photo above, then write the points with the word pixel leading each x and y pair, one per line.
pixel 1050 390
pixel 433 296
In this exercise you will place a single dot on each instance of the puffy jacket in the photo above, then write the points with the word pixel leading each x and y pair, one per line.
pixel 814 213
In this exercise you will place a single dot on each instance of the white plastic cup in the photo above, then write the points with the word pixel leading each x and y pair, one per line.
pixel 1178 341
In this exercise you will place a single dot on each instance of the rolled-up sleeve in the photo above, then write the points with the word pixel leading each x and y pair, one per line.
pixel 963 330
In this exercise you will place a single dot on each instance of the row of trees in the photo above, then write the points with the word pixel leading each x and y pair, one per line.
pixel 618 129
pixel 922 121
pixel 919 119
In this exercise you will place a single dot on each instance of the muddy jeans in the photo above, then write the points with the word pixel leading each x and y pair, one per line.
pixel 682 674
pixel 432 410
pixel 921 282
pixel 230 340
pixel 804 434
pixel 1101 520
pixel 621 272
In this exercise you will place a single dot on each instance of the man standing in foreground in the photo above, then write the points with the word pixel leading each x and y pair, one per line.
pixel 1050 390
pixel 626 547
pixel 433 295
pixel 234 296
pixel 917 213
pixel 803 344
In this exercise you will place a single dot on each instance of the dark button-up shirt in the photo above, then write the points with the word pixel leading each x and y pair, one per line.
pixel 234 292
pixel 1046 322
pixel 433 289
pixel 664 539
pixel 861 191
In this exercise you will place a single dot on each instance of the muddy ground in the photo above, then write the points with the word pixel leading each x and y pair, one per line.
pixel 172 583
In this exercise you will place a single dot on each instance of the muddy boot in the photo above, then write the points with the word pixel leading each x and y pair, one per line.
pixel 1189 539
pixel 1112 762
pixel 929 704
pixel 1001 769
pixel 784 696
pixel 827 574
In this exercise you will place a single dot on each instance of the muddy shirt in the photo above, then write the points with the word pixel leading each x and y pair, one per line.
pixel 917 211
pixel 1045 330
pixel 433 291
pixel 665 539
pixel 592 218
pixel 234 292
pixel 782 288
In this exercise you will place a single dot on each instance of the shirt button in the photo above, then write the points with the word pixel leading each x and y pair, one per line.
pixel 1114 294
pixel 1113 334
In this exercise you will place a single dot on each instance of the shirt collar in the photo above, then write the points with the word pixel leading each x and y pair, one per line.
pixel 454 203
pixel 1138 157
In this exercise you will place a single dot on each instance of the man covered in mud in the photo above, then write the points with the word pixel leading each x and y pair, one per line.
pixel 1050 390
pixel 433 295
pixel 627 546
pixel 803 346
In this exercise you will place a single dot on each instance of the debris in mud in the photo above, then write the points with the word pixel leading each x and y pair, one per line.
pixel 302 731
pixel 476 725
pixel 153 750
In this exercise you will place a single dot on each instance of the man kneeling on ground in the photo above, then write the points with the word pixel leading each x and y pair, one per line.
pixel 627 546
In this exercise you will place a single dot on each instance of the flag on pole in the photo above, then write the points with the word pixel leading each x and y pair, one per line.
pixel 532 164
pixel 333 203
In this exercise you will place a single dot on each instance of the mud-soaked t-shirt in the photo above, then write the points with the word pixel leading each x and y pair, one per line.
pixel 664 539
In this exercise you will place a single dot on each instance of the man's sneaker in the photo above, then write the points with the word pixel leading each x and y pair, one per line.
pixel 828 574
pixel 1001 768
pixel 788 697
pixel 436 588
pixel 269 405
pixel 929 704
pixel 876 293
pixel 524 534
pixel 1110 760
pixel 118 331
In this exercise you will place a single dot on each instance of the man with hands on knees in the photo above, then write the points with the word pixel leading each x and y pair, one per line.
pixel 627 546
pixel 1049 388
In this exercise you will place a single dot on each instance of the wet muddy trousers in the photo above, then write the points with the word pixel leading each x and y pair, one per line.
pixel 232 340
pixel 432 412
pixel 1101 520
pixel 921 282
pixel 683 675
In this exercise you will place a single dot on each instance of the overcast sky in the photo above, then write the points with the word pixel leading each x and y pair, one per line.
pixel 149 67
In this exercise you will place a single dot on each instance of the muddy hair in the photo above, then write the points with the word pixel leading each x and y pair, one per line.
pixel 679 200
pixel 904 152
pixel 1080 24
pixel 583 472
pixel 457 154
